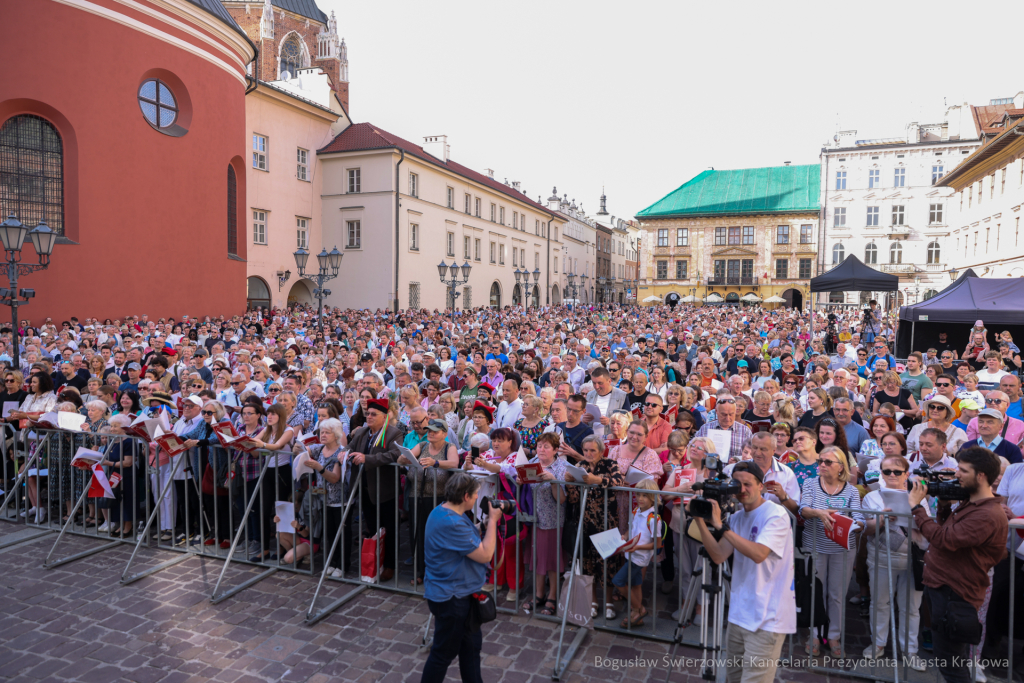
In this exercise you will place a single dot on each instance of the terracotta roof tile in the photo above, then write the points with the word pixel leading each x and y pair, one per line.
pixel 987 115
pixel 365 136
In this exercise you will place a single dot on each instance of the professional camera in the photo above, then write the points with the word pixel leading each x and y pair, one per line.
pixel 507 507
pixel 718 487
pixel 832 318
pixel 941 486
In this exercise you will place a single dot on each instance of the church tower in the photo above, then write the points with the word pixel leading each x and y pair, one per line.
pixel 293 35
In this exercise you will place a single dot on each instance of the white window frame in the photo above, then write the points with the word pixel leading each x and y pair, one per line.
pixel 494 211
pixel 476 249
pixel 353 234
pixel 260 152
pixel 839 217
pixel 301 232
pixel 515 258
pixel 938 170
pixel 414 181
pixel 501 215
pixel 451 197
pixel 899 178
pixel 899 214
pixel 662 238
pixel 469 203
pixel 302 164
pixel 501 254
pixel 467 249
pixel 872 216
pixel 451 244
pixel 259 226
pixel 840 180
pixel 355 181
pixel 874 178
pixel 477 207
pixel 414 236
pixel 493 253
pixel 935 214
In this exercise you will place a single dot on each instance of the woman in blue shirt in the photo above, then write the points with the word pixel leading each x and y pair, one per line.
pixel 456 567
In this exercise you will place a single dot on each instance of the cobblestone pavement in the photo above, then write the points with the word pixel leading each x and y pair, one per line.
pixel 77 623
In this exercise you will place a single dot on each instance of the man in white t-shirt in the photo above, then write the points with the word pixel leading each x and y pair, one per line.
pixel 762 577
pixel 988 378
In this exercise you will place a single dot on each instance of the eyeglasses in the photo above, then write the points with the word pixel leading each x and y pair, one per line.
pixel 652 405
pixel 937 407
pixel 827 463
pixel 726 400
pixel 208 412
pixel 993 401
pixel 894 473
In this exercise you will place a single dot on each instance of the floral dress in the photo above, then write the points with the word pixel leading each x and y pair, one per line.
pixel 529 435
pixel 593 514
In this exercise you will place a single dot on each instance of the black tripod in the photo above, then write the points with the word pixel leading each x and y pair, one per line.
pixel 707 582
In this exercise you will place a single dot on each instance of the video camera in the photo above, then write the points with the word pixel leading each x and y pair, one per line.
pixel 718 487
pixel 940 486
pixel 507 507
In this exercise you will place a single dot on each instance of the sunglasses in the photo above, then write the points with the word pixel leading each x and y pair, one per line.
pixel 208 412
pixel 943 384
pixel 790 384
pixel 894 473
pixel 234 383
pixel 652 405
pixel 993 401
pixel 827 463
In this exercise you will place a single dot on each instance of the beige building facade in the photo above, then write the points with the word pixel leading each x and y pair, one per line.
pixel 398 210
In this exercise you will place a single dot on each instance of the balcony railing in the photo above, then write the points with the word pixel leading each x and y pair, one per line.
pixel 897 267
pixel 731 280
pixel 898 231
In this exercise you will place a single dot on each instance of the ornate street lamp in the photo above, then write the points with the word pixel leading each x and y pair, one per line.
pixel 328 266
pixel 12 236
pixel 453 280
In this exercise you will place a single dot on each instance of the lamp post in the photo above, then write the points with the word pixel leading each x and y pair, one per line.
pixel 571 277
pixel 329 264
pixel 917 288
pixel 453 280
pixel 12 235
pixel 952 273
pixel 523 279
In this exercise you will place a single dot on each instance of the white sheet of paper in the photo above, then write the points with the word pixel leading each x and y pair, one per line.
pixel 8 407
pixel 635 476
pixel 300 466
pixel 898 501
pixel 606 542
pixel 722 438
pixel 285 511
pixel 72 421
pixel 576 472
pixel 413 462
pixel 521 458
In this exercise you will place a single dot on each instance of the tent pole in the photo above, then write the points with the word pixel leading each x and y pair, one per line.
pixel 912 323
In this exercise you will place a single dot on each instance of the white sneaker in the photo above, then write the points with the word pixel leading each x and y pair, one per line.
pixel 697 619
pixel 873 652
pixel 26 513
pixel 40 516
pixel 979 674
pixel 678 613
pixel 337 573
pixel 917 664
pixel 103 528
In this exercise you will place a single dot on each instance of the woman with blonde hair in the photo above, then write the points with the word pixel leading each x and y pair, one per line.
pixel 820 497
pixel 819 406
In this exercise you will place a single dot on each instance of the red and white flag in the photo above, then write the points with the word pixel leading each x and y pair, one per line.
pixel 99 487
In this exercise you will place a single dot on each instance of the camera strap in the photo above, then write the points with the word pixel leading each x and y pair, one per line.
pixel 1006 425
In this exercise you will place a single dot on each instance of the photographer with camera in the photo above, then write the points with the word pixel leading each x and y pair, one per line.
pixel 964 545
pixel 456 567
pixel 762 575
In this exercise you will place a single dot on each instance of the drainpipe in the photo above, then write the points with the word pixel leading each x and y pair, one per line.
pixel 821 227
pixel 547 274
pixel 398 204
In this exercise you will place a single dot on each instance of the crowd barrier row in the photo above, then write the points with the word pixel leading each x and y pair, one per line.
pixel 220 503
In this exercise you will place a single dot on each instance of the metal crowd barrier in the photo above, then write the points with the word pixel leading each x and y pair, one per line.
pixel 239 516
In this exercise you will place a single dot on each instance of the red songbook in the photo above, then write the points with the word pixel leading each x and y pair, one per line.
pixel 842 531
pixel 171 443
pixel 530 472
pixel 225 427
pixel 309 440
pixel 670 414
pixel 242 443
pixel 142 427
pixel 760 426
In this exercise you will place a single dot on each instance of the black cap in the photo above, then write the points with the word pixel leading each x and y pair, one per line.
pixel 751 467
pixel 365 357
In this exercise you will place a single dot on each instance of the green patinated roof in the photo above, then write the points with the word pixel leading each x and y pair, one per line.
pixel 776 189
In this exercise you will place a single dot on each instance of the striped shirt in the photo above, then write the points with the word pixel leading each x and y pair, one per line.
pixel 813 496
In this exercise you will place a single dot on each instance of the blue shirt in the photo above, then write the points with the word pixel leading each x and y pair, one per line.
pixel 856 435
pixel 1015 409
pixel 448 539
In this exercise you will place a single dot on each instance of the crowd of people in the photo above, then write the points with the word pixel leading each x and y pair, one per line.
pixel 820 404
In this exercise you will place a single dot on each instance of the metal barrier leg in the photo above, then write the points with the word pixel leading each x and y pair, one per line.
pixel 48 564
pixel 143 535
pixel 314 617
pixel 562 661
pixel 214 597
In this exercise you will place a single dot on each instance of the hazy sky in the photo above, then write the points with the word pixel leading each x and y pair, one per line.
pixel 641 96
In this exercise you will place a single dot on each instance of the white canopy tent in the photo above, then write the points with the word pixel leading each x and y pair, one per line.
pixel 750 297
pixel 652 298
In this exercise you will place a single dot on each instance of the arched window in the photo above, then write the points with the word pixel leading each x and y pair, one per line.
pixel 929 293
pixel 895 253
pixel 934 252
pixel 232 212
pixel 32 172
pixel 838 253
pixel 258 294
pixel 291 57
pixel 495 295
pixel 871 253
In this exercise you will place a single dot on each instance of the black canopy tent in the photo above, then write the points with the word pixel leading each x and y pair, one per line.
pixel 999 302
pixel 853 276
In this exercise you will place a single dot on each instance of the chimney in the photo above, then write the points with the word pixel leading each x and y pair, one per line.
pixel 489 172
pixel 436 146
pixel 604 208
pixel 515 185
